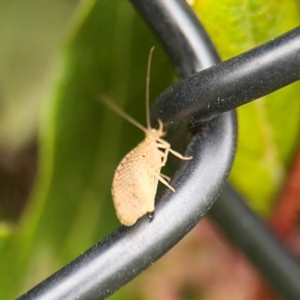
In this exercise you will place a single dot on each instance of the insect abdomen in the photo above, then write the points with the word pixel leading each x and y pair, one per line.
pixel 135 182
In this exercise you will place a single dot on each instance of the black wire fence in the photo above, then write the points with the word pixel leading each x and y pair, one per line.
pixel 205 98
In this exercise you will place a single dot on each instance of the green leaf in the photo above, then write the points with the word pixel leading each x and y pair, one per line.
pixel 82 141
pixel 6 230
pixel 268 127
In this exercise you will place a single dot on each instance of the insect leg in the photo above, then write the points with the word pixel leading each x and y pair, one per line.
pixel 177 154
pixel 165 145
pixel 165 157
pixel 165 176
pixel 162 180
pixel 161 144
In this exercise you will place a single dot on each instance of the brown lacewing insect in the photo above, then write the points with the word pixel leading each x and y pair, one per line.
pixel 136 178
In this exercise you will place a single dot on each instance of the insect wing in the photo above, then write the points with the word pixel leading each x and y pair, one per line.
pixel 135 183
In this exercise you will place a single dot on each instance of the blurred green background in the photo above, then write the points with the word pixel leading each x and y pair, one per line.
pixel 59 146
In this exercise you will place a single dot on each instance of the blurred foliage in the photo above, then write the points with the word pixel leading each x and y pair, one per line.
pixel 81 142
pixel 71 208
pixel 31 34
pixel 269 128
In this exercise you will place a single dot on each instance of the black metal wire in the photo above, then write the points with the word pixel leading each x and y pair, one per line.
pixel 221 88
pixel 184 39
pixel 232 83
pixel 120 257
pixel 247 231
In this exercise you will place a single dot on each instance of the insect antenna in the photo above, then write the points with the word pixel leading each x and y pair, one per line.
pixel 148 89
pixel 105 100
pixel 120 112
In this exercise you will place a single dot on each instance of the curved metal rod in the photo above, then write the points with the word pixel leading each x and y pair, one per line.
pixel 124 254
pixel 247 231
pixel 184 39
pixel 232 83
pixel 218 89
